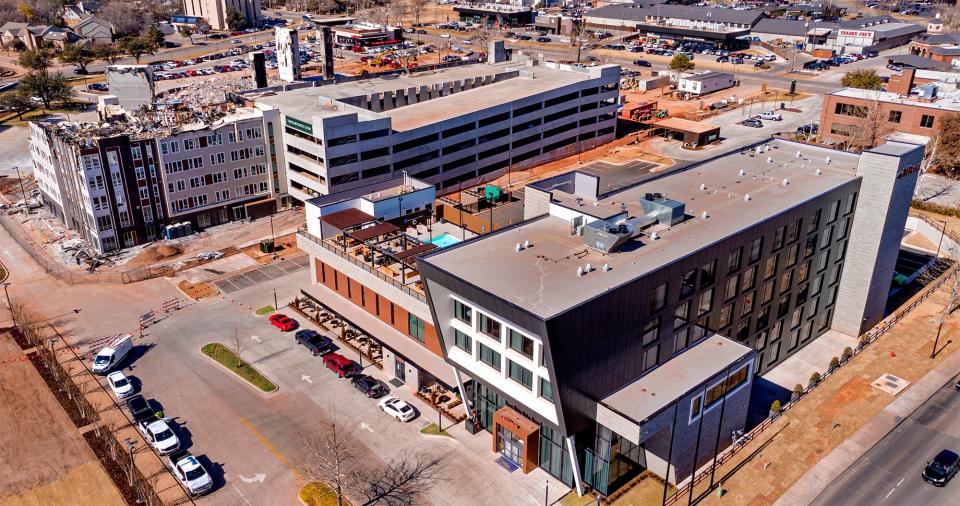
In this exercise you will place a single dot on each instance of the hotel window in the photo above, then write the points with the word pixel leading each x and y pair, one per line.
pixel 755 249
pixel 763 317
pixel 725 316
pixel 895 116
pixel 651 330
pixel 733 260
pixel 463 312
pixel 851 200
pixel 546 390
pixel 681 315
pixel 826 237
pixel 521 343
pixel 708 273
pixel 521 374
pixel 489 326
pixel 706 302
pixel 731 289
pixel 488 356
pixel 462 341
pixel 749 277
pixel 747 303
pixel 784 306
pixel 688 285
pixel 716 392
pixel 803 272
pixel 659 297
pixel 770 267
pixel 926 121
pixel 695 406
pixel 778 237
pixel 814 221
pixel 416 328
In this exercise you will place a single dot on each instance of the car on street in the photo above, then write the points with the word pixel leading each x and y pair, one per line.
pixel 317 344
pixel 341 365
pixel 159 435
pixel 642 63
pixel 371 387
pixel 943 467
pixel 808 129
pixel 190 472
pixel 770 115
pixel 397 408
pixel 753 123
pixel 282 322
pixel 120 384
pixel 140 409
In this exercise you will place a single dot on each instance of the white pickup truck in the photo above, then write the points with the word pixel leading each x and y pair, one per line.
pixel 190 472
pixel 158 433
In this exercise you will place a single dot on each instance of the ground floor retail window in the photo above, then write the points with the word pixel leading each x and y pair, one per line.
pixel 554 458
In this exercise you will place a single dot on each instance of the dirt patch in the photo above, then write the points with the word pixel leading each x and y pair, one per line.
pixel 154 254
pixel 39 443
pixel 84 484
pixel 284 246
pixel 197 291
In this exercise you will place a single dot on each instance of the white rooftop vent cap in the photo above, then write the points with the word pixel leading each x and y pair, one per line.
pixel 654 236
pixel 704 215
pixel 766 147
pixel 606 267
pixel 786 181
pixel 743 172
pixel 518 247
pixel 589 268
pixel 818 172
pixel 579 271
pixel 799 154
pixel 769 159
pixel 746 198
pixel 703 186
pixel 526 244
pixel 759 149
pixel 828 160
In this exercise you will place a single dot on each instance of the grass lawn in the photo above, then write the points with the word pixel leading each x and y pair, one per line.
pixel 227 358
pixel 433 430
pixel 264 310
pixel 319 494
pixel 12 120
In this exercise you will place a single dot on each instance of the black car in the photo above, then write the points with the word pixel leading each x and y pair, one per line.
pixel 370 387
pixel 939 470
pixel 317 344
pixel 808 129
pixel 642 63
pixel 543 39
pixel 140 409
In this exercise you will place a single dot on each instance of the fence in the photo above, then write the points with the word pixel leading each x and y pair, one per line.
pixel 865 340
pixel 73 277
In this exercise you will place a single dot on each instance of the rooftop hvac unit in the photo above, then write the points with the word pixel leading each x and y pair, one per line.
pixel 927 91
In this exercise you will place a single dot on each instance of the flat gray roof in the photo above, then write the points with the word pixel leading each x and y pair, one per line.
pixel 543 279
pixel 652 393
pixel 309 102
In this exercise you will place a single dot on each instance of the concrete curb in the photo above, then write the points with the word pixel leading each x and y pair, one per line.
pixel 817 478
pixel 237 377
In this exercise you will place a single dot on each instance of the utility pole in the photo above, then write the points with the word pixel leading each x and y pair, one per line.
pixel 275 305
pixel 10 307
pixel 22 191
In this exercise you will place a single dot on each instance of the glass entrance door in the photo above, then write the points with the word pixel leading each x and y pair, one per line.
pixel 509 446
pixel 400 370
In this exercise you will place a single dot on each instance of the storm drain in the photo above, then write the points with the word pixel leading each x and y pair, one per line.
pixel 890 384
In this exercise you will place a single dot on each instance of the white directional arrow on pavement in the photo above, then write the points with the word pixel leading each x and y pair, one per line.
pixel 364 425
pixel 257 339
pixel 257 478
pixel 306 378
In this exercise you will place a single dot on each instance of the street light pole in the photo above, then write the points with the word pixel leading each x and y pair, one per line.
pixel 130 445
pixel 9 306
pixel 22 191
pixel 275 305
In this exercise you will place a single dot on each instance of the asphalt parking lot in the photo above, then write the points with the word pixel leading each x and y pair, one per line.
pixel 252 441
pixel 232 283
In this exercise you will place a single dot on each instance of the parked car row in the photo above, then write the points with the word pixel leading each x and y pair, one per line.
pixel 321 346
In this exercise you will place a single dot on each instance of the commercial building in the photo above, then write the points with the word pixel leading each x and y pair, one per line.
pixel 676 24
pixel 215 11
pixel 119 184
pixel 906 106
pixel 497 15
pixel 612 333
pixel 705 83
pixel 851 36
pixel 937 44
pixel 449 127
pixel 363 246
pixel 360 37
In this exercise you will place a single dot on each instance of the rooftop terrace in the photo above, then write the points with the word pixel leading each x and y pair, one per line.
pixel 543 278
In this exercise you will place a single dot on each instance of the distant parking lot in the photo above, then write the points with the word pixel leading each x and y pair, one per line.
pixel 246 279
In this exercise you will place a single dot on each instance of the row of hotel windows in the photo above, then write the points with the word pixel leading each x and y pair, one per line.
pixel 216 178
pixel 203 141
pixel 861 111
pixel 717 392
pixel 516 341
pixel 220 195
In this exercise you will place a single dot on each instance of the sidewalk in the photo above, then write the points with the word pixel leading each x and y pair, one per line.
pixel 844 416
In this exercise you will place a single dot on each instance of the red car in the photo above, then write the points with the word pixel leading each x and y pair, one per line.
pixel 339 364
pixel 282 322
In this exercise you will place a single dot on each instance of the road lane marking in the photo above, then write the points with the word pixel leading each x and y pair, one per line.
pixel 273 449
pixel 237 490
pixel 900 482
pixel 890 492
pixel 365 426
pixel 257 478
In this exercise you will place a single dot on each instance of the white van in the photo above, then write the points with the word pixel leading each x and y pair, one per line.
pixel 112 354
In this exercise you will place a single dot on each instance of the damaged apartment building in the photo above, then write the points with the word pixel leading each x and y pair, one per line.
pixel 121 183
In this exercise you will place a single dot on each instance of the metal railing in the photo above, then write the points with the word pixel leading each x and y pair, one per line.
pixel 865 340
pixel 359 263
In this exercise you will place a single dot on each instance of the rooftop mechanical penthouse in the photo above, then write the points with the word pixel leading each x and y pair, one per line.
pixel 615 332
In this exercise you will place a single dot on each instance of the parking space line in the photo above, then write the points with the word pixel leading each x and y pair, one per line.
pixel 273 449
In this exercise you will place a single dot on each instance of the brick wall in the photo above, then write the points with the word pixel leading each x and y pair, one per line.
pixel 910 117
pixel 377 305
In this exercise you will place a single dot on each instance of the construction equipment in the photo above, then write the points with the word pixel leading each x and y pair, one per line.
pixel 387 58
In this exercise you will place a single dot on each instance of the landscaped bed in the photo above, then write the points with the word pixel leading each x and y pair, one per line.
pixel 228 359
pixel 319 494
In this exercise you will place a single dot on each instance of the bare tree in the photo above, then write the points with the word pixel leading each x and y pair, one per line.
pixel 417 7
pixel 872 126
pixel 954 256
pixel 400 482
pixel 328 458
pixel 238 345
pixel 396 9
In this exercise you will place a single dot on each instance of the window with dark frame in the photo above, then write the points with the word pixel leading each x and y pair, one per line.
pixel 489 326
pixel 462 312
pixel 462 341
pixel 521 343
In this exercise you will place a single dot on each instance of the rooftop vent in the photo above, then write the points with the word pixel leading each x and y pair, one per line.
pixel 828 160
pixel 743 172
pixel 519 247
pixel 746 198
pixel 785 181
pixel 606 267
pixel 818 172
pixel 526 244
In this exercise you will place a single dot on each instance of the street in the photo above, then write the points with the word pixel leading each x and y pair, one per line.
pixel 890 472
